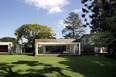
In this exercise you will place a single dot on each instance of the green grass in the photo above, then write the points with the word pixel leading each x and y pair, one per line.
pixel 73 66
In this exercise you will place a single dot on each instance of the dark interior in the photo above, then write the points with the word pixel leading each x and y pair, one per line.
pixel 56 49
pixel 3 48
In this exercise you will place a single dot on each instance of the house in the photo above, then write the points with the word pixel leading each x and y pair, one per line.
pixel 10 48
pixel 57 47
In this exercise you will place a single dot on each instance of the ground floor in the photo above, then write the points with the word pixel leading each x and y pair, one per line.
pixel 57 48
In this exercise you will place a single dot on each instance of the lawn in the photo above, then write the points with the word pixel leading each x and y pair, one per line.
pixel 73 66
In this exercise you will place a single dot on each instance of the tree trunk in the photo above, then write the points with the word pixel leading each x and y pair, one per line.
pixel 73 32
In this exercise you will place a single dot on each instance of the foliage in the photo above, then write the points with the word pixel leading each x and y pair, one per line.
pixel 32 31
pixel 103 19
pixel 44 34
pixel 8 39
pixel 103 15
pixel 101 39
pixel 113 46
pixel 85 44
pixel 85 39
pixel 74 27
pixel 88 49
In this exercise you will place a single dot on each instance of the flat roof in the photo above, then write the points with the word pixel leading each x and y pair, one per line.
pixel 57 40
pixel 56 43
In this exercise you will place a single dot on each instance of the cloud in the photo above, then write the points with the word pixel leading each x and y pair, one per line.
pixel 78 10
pixel 52 6
pixel 61 24
pixel 55 9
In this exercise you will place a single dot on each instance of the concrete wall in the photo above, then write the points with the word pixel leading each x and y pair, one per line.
pixel 16 49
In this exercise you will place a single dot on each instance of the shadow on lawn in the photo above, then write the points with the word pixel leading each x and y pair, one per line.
pixel 6 69
pixel 90 66
pixel 31 63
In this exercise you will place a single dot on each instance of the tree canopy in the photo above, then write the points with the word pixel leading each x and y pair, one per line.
pixel 101 39
pixel 32 31
pixel 103 15
pixel 74 27
pixel 8 39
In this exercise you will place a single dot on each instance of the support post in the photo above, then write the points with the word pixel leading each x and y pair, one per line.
pixel 36 49
pixel 79 48
pixel 74 49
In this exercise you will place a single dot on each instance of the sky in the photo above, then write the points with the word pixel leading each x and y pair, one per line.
pixel 15 13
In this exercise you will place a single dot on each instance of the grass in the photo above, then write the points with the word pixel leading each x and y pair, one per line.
pixel 73 66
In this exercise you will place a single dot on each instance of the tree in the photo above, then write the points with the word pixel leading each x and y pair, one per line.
pixel 103 15
pixel 85 39
pixel 101 39
pixel 74 27
pixel 103 18
pixel 8 39
pixel 32 31
pixel 86 45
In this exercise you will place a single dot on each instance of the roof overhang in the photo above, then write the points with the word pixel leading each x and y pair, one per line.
pixel 6 43
pixel 57 43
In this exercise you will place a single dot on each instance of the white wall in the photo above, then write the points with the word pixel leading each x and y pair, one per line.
pixel 12 48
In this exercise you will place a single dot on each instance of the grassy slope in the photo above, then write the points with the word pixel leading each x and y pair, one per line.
pixel 78 66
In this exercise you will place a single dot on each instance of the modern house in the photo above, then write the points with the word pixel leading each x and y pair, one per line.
pixel 57 47
pixel 10 48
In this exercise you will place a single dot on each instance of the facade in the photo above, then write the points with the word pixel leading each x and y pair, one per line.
pixel 57 46
pixel 10 48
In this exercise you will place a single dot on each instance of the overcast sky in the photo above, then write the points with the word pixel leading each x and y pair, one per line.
pixel 14 13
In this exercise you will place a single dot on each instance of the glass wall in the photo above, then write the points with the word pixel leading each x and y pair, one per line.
pixel 55 49
pixel 40 49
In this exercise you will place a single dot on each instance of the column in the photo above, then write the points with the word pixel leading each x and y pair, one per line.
pixel 75 48
pixel 37 49
pixel 79 48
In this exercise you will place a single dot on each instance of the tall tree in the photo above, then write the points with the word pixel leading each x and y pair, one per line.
pixel 32 31
pixel 74 27
pixel 103 15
